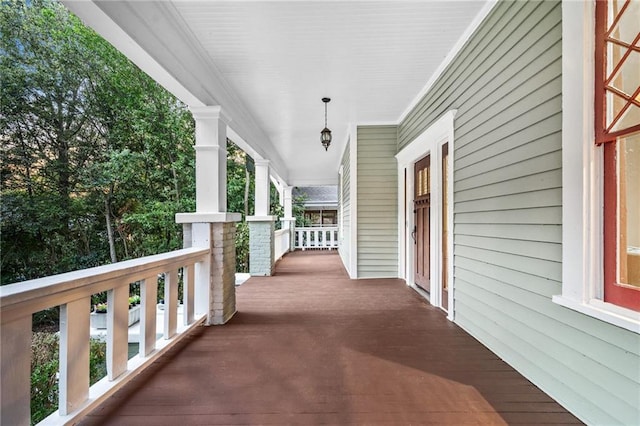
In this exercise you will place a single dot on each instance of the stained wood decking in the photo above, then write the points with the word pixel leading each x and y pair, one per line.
pixel 310 346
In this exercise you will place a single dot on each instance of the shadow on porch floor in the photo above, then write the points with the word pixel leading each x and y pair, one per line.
pixel 311 346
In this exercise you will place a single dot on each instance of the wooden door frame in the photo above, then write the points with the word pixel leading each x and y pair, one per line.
pixel 429 142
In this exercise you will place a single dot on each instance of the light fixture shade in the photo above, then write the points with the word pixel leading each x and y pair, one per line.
pixel 325 138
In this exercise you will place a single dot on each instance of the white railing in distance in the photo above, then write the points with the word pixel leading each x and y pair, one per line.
pixel 325 237
pixel 280 243
pixel 72 292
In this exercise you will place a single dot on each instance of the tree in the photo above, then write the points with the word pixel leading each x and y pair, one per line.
pixel 97 157
pixel 43 126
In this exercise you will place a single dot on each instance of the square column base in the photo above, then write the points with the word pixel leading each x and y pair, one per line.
pixel 215 290
pixel 223 272
pixel 261 247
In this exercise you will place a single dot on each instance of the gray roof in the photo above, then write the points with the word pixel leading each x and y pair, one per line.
pixel 318 194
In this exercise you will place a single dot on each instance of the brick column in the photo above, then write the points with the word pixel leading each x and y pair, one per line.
pixel 223 272
pixel 215 279
pixel 261 226
pixel 261 245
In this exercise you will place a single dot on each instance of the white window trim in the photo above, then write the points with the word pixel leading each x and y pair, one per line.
pixel 353 200
pixel 428 142
pixel 582 236
pixel 341 203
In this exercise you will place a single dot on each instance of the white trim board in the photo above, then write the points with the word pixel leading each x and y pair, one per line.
pixel 353 197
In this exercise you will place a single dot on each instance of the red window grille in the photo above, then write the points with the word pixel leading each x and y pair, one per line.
pixel 617 55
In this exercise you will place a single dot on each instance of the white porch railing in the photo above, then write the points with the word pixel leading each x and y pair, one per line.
pixel 325 237
pixel 281 243
pixel 72 292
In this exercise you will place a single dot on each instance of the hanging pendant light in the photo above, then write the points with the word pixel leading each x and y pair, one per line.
pixel 325 134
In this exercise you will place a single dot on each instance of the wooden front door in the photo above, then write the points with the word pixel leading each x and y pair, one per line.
pixel 421 230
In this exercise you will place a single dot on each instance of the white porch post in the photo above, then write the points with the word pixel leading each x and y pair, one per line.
pixel 211 159
pixel 211 226
pixel 288 221
pixel 262 199
pixel 261 226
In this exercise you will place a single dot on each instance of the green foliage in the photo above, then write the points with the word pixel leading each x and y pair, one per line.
pixel 298 210
pixel 240 195
pixel 97 157
pixel 100 308
pixel 45 350
pixel 97 360
pixel 242 247
pixel 44 368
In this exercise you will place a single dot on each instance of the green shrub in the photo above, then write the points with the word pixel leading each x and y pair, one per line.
pixel 45 356
pixel 242 247
pixel 44 369
pixel 97 360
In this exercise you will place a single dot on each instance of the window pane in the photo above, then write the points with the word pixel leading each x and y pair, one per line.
pixel 622 78
pixel 629 209
pixel 630 117
pixel 627 27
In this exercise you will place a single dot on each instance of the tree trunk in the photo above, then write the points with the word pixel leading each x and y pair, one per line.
pixel 123 237
pixel 112 242
pixel 247 177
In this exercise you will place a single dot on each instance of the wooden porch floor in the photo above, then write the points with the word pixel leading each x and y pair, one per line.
pixel 310 346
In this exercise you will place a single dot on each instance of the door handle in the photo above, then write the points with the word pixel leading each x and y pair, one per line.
pixel 413 235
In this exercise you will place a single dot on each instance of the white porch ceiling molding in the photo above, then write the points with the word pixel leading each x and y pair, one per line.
pixel 269 63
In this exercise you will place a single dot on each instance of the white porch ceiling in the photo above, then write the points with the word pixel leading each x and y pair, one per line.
pixel 268 64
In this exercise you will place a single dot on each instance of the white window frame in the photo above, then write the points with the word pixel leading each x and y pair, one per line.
pixel 341 203
pixel 582 176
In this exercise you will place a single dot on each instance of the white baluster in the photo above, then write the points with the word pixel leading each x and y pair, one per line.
pixel 117 331
pixel 188 288
pixel 170 304
pixel 74 354
pixel 148 304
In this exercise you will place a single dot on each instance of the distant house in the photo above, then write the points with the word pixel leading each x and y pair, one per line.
pixel 320 204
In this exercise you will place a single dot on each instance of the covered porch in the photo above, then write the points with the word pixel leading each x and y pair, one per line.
pixel 455 154
pixel 311 346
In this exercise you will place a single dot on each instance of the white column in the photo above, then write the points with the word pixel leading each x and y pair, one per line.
pixel 287 192
pixel 211 159
pixel 263 186
pixel 214 278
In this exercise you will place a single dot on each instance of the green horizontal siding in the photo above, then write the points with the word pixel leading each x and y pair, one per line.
pixel 506 84
pixel 377 202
